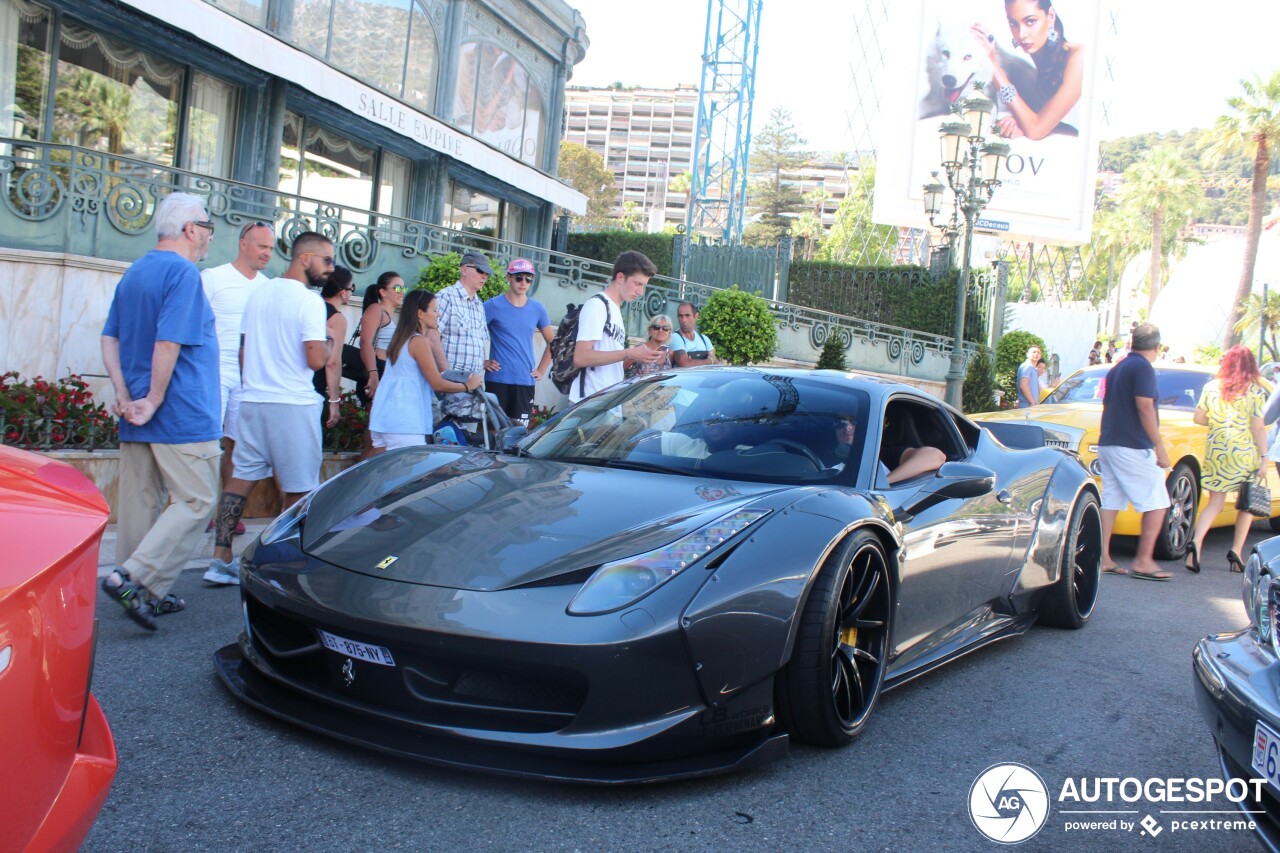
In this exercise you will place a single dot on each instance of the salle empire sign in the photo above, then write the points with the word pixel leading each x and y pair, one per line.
pixel 396 117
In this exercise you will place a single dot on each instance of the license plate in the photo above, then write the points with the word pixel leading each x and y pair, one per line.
pixel 1266 754
pixel 350 648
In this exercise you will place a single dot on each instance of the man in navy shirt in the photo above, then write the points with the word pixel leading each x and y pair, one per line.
pixel 1132 454
pixel 513 318
pixel 160 348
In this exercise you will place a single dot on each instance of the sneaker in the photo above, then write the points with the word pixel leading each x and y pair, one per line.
pixel 223 574
pixel 239 527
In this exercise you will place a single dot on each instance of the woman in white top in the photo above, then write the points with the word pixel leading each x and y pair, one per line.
pixel 401 415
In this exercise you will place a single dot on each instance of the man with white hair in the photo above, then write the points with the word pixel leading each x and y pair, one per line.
pixel 160 348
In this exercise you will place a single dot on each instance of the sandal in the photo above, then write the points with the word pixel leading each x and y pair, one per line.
pixel 1233 561
pixel 1151 576
pixel 131 597
pixel 169 604
pixel 1192 563
pixel 1115 570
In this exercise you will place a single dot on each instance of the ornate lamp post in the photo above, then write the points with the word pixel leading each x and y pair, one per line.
pixel 972 165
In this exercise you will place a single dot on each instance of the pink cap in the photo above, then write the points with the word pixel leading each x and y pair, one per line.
pixel 520 265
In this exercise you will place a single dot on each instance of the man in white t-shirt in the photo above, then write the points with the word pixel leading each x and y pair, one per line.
pixel 602 338
pixel 227 288
pixel 285 341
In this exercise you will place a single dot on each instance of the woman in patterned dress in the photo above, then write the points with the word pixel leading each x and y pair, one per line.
pixel 1236 448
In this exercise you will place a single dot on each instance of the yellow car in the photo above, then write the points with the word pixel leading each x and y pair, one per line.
pixel 1072 416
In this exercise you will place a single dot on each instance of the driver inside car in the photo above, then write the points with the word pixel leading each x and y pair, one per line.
pixel 912 461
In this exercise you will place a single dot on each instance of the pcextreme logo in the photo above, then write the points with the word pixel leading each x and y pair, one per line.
pixel 1009 803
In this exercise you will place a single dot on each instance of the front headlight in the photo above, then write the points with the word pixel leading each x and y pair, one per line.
pixel 622 582
pixel 287 523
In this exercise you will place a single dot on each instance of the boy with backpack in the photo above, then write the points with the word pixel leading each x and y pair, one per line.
pixel 600 339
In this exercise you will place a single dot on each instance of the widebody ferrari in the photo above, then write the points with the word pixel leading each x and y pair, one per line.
pixel 672 578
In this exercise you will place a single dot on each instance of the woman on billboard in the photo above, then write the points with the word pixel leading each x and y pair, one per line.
pixel 1049 106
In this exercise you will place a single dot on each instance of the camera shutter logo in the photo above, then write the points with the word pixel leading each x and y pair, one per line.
pixel 1008 803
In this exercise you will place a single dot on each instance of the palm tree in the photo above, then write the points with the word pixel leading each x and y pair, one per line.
pixel 1165 188
pixel 1254 128
pixel 1113 230
pixel 1255 315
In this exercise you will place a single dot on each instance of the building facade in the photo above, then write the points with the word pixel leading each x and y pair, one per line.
pixel 367 120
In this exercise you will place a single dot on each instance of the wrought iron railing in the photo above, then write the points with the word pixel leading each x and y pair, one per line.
pixel 67 199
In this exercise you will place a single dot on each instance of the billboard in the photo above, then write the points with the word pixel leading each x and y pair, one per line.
pixel 1040 66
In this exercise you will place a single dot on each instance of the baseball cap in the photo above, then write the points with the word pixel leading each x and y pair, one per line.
pixel 520 265
pixel 473 259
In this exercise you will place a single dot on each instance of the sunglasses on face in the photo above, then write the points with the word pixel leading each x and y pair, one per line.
pixel 397 288
pixel 204 223
pixel 327 260
pixel 522 277
pixel 659 328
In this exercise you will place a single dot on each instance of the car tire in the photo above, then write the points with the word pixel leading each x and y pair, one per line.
pixel 1180 519
pixel 1070 602
pixel 829 689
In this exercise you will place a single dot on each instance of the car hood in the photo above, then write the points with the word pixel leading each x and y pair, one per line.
pixel 479 521
pixel 1082 415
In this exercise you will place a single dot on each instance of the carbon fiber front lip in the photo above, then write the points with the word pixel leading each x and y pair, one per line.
pixel 249 685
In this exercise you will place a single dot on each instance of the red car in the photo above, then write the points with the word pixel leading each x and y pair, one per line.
pixel 57 757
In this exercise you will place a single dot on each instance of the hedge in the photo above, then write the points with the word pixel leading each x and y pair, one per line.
pixel 605 246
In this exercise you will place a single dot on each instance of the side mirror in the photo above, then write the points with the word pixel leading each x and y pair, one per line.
pixel 962 480
pixel 954 480
pixel 509 437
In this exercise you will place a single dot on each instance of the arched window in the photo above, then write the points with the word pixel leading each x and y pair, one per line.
pixel 390 44
pixel 497 102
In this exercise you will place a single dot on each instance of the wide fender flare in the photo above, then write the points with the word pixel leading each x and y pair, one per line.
pixel 741 626
pixel 1042 564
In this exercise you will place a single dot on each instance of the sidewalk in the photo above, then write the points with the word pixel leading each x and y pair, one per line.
pixel 252 527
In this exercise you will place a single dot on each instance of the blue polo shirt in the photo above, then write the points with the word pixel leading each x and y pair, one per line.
pixel 1132 377
pixel 511 331
pixel 160 298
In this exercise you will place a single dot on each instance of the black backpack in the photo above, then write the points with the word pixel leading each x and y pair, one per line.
pixel 563 371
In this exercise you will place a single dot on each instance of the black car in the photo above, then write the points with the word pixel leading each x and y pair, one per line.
pixel 672 578
pixel 1236 678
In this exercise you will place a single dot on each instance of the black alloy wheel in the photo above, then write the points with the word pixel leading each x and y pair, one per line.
pixel 1070 602
pixel 827 692
pixel 1180 519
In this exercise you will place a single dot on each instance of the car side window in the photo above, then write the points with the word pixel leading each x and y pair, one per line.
pixel 910 424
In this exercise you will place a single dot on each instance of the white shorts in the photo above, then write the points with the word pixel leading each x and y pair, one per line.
pixel 231 416
pixel 1130 477
pixel 395 440
pixel 279 439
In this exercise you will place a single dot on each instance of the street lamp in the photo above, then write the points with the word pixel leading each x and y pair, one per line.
pixel 972 165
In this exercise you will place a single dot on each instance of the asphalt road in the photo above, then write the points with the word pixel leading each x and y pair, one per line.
pixel 199 771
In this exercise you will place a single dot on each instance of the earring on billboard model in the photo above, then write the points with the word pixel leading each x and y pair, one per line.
pixel 1053 36
pixel 1014 41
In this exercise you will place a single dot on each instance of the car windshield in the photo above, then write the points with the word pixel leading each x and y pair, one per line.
pixel 737 424
pixel 1178 389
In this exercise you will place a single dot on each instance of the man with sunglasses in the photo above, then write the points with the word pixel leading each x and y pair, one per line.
pixel 284 341
pixel 227 288
pixel 464 332
pixel 513 320
pixel 160 349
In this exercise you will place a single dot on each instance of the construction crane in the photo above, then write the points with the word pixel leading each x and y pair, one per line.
pixel 722 140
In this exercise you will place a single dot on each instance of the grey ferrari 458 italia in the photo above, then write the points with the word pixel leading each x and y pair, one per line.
pixel 672 578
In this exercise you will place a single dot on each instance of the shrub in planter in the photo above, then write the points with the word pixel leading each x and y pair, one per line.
pixel 979 384
pixel 443 270
pixel 832 357
pixel 348 432
pixel 740 326
pixel 57 414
